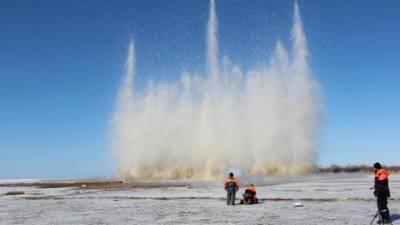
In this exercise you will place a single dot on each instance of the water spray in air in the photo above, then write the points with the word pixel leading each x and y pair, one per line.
pixel 263 121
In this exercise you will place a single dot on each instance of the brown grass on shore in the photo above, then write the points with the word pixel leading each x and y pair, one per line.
pixel 92 184
pixel 355 169
pixel 118 184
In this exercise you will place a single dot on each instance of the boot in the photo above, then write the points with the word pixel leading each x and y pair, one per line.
pixel 385 216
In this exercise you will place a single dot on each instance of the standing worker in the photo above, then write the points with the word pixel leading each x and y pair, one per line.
pixel 382 192
pixel 231 186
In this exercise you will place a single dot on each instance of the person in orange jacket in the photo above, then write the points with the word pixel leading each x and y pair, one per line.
pixel 231 186
pixel 249 196
pixel 382 192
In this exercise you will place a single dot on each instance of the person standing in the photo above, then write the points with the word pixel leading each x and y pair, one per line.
pixel 231 186
pixel 382 192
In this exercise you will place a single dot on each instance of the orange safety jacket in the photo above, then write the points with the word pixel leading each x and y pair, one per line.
pixel 382 183
pixel 231 180
pixel 381 174
pixel 251 188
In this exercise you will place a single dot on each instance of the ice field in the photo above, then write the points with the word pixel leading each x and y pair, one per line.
pixel 327 199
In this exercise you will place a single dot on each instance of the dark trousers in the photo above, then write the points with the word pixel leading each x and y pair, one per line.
pixel 230 199
pixel 383 209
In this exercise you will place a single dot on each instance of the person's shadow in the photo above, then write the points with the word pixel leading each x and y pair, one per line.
pixel 394 217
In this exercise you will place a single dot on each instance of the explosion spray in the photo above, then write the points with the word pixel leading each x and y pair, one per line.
pixel 263 121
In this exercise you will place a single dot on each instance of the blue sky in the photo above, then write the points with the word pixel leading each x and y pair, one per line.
pixel 61 64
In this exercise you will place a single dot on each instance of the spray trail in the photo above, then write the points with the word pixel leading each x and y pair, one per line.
pixel 263 121
pixel 212 44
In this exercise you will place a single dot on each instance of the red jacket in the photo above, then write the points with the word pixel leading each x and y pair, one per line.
pixel 382 183
pixel 381 174
pixel 231 184
pixel 251 188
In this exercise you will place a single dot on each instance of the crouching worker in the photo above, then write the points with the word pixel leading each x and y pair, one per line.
pixel 231 187
pixel 382 192
pixel 249 196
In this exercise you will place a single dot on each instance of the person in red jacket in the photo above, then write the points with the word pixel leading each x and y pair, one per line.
pixel 382 192
pixel 249 196
pixel 231 186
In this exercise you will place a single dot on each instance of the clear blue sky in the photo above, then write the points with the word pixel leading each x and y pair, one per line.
pixel 61 63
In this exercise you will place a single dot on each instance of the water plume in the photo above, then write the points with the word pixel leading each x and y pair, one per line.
pixel 260 122
pixel 212 44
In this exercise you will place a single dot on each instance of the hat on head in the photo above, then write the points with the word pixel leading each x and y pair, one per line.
pixel 377 165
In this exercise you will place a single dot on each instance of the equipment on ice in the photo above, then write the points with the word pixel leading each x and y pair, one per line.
pixel 380 220
pixel 298 204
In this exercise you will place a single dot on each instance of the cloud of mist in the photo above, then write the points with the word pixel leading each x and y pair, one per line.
pixel 262 121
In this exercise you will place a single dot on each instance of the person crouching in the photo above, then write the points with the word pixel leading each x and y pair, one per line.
pixel 231 187
pixel 249 196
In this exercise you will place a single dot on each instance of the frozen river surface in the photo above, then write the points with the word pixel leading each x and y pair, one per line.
pixel 343 199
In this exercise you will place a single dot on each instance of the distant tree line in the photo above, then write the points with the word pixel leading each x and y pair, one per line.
pixel 355 169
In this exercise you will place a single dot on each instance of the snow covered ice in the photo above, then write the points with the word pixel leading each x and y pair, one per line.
pixel 344 199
